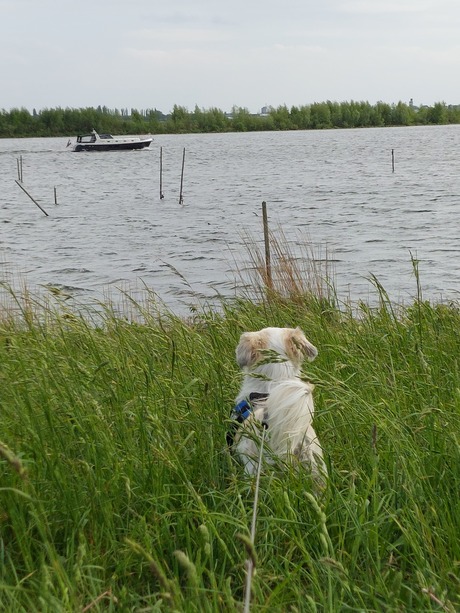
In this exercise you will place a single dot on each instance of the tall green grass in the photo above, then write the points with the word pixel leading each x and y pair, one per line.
pixel 117 492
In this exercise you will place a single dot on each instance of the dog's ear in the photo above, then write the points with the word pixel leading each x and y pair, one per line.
pixel 248 350
pixel 298 347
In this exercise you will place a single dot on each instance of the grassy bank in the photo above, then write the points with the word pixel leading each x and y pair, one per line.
pixel 117 492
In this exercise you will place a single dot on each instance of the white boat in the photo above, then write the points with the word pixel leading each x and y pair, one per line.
pixel 107 142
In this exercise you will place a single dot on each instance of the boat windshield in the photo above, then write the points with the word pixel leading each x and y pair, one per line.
pixel 86 138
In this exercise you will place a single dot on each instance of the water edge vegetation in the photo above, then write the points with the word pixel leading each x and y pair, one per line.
pixel 20 122
pixel 117 491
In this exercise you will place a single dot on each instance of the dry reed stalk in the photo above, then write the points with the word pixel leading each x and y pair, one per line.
pixel 298 268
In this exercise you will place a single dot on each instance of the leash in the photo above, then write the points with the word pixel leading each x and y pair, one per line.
pixel 241 412
pixel 250 560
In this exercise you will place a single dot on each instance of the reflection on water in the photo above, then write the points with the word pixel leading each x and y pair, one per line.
pixel 333 188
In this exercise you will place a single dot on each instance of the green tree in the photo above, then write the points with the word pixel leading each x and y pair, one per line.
pixel 320 116
pixel 335 110
pixel 282 119
pixel 21 122
pixel 437 114
pixel 403 115
pixel 384 113
pixel 241 119
pixel 180 120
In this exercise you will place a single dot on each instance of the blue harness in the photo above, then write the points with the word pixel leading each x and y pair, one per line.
pixel 240 413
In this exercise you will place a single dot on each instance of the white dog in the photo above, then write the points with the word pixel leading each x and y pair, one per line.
pixel 272 393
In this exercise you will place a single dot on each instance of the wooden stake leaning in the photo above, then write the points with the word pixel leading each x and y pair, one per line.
pixel 34 201
pixel 181 200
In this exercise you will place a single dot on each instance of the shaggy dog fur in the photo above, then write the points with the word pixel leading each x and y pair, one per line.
pixel 278 398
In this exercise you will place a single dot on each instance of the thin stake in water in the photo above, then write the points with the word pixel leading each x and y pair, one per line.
pixel 268 268
pixel 181 199
pixel 19 164
pixel 161 174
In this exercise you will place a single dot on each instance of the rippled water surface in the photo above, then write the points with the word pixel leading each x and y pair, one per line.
pixel 110 229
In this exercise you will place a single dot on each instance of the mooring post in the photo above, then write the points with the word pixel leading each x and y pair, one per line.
pixel 55 195
pixel 181 200
pixel 268 268
pixel 22 177
pixel 161 174
pixel 19 164
pixel 393 160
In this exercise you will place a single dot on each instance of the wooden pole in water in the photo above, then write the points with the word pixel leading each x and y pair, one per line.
pixel 268 268
pixel 181 200
pixel 34 201
pixel 19 164
pixel 55 195
pixel 161 174
pixel 22 177
pixel 393 160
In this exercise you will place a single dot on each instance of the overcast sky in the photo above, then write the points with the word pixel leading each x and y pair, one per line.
pixel 249 53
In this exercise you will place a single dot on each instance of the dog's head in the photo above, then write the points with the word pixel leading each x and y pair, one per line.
pixel 289 343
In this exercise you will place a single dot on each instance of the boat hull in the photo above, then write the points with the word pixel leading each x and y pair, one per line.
pixel 142 144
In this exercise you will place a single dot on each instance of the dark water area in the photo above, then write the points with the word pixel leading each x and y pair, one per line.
pixel 334 189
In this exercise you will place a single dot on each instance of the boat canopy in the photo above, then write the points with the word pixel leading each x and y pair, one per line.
pixel 93 137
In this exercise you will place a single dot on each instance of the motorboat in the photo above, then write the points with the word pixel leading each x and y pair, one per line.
pixel 107 142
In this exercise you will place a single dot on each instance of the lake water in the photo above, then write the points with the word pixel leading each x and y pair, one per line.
pixel 334 189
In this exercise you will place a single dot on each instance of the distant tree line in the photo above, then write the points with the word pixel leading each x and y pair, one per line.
pixel 318 116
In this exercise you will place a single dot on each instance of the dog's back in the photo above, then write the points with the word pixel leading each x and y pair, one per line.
pixel 290 412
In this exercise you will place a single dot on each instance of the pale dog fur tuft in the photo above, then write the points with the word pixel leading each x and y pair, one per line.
pixel 271 361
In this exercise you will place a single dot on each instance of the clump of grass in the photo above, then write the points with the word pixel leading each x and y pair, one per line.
pixel 117 491
pixel 296 269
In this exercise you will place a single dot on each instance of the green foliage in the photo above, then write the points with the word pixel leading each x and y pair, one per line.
pixel 320 116
pixel 317 116
pixel 117 491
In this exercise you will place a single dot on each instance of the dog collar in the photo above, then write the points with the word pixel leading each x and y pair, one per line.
pixel 240 414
